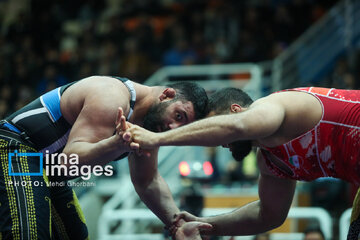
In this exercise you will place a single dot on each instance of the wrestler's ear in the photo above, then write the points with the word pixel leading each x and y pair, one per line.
pixel 167 94
pixel 235 108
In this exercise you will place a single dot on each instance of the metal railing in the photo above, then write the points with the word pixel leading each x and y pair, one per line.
pixel 215 76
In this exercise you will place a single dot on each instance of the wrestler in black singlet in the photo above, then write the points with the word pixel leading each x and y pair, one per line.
pixel 38 212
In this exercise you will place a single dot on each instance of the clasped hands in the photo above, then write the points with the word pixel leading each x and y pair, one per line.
pixel 135 137
pixel 186 226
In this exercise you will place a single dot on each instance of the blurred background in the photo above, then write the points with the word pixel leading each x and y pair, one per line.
pixel 259 45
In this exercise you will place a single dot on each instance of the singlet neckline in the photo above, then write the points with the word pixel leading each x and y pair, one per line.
pixel 130 86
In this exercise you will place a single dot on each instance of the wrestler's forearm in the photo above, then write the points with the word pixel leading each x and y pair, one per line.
pixel 207 132
pixel 256 123
pixel 99 153
pixel 158 198
pixel 269 212
pixel 247 220
pixel 151 187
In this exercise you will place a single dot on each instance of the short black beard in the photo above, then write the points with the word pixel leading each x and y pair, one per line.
pixel 154 117
pixel 240 149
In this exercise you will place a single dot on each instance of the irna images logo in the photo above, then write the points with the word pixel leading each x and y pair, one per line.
pixel 57 165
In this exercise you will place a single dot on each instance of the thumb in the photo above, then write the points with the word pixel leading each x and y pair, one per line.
pixel 127 136
pixel 118 115
pixel 177 217
pixel 204 226
pixel 134 146
pixel 184 215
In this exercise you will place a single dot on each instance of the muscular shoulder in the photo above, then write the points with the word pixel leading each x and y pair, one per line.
pixel 106 87
pixel 293 98
pixel 301 112
pixel 296 106
pixel 99 95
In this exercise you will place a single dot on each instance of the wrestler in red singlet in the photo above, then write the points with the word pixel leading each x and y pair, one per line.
pixel 331 148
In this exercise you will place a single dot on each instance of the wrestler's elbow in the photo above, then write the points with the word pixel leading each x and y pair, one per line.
pixel 271 223
pixel 273 219
pixel 276 222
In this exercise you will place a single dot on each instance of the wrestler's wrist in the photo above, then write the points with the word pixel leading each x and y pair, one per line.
pixel 171 230
pixel 160 139
pixel 181 222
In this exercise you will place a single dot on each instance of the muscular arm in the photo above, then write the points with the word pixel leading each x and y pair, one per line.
pixel 259 121
pixel 92 134
pixel 151 187
pixel 269 212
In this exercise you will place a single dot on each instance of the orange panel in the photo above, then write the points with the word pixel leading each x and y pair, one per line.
pixel 322 91
pixel 228 201
pixel 286 227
